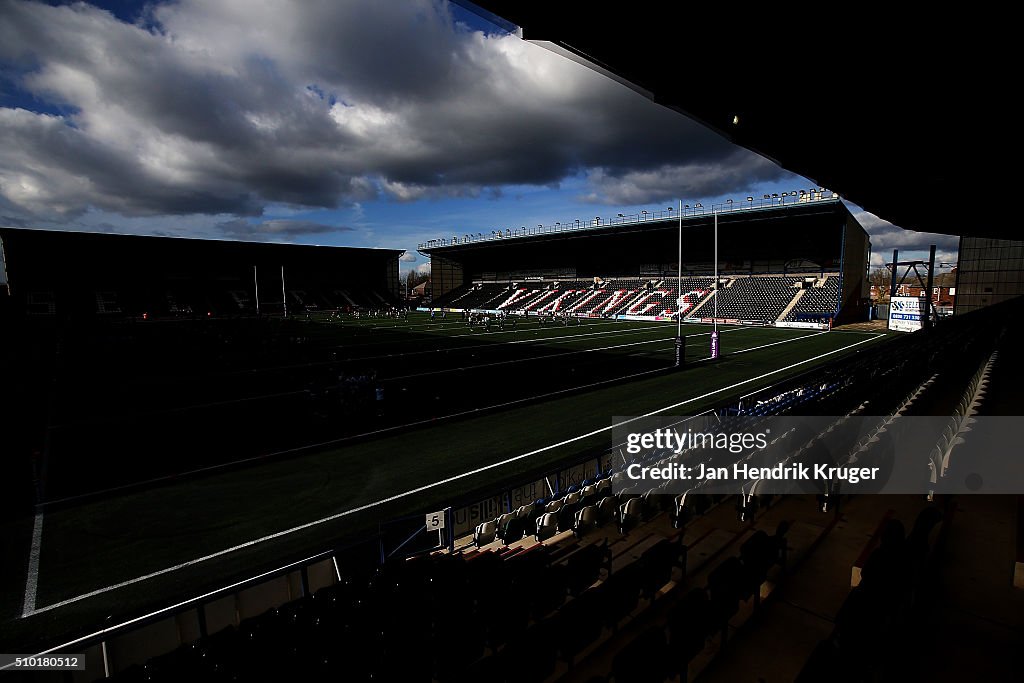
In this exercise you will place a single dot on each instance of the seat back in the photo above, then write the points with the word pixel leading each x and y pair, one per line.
pixel 586 519
pixel 547 524
pixel 485 532
pixel 587 515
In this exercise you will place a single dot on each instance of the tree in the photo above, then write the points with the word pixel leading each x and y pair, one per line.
pixel 880 279
pixel 413 278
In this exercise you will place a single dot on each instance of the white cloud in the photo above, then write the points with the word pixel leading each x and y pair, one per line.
pixel 227 107
pixel 912 245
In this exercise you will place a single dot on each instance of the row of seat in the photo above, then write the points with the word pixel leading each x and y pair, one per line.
pixel 580 510
pixel 580 621
pixel 202 300
pixel 659 652
pixel 756 298
pixel 467 603
pixel 414 620
pixel 816 300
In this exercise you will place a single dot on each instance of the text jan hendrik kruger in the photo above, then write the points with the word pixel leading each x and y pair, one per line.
pixel 738 442
pixel 745 472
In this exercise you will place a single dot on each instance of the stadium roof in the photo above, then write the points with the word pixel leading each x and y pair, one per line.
pixel 899 111
pixel 804 204
pixel 188 241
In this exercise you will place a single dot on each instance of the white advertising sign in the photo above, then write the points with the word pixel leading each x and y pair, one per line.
pixel 906 313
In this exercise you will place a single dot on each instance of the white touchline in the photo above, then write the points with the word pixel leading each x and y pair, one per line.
pixel 425 487
pixel 32 578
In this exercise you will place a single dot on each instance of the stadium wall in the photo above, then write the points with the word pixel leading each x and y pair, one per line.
pixel 446 275
pixel 74 275
pixel 855 295
pixel 989 271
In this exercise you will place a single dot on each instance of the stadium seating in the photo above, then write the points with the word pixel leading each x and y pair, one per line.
pixel 817 300
pixel 760 299
pixel 753 298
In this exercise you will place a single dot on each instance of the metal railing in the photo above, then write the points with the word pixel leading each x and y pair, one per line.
pixel 696 210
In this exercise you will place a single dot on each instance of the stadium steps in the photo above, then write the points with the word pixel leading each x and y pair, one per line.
pixel 796 299
pixel 698 307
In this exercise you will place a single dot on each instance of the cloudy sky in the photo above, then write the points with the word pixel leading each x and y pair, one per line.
pixel 350 122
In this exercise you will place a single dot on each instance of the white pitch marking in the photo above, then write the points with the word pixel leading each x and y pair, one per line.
pixel 32 579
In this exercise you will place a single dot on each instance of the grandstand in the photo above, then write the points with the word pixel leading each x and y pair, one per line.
pixel 72 275
pixel 623 268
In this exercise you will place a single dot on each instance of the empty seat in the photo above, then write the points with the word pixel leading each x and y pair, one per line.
pixel 510 528
pixel 688 627
pixel 682 511
pixel 585 564
pixel 586 519
pixel 630 514
pixel 530 656
pixel 645 660
pixel 658 561
pixel 606 509
pixel 579 624
pixel 623 592
pixel 547 526
pixel 485 532
pixel 725 585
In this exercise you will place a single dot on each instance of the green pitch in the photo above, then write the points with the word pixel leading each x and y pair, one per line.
pixel 491 408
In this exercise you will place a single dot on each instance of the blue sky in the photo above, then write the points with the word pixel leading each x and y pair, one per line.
pixel 355 122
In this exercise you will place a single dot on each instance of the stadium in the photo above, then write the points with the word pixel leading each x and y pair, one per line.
pixel 248 461
pixel 607 270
